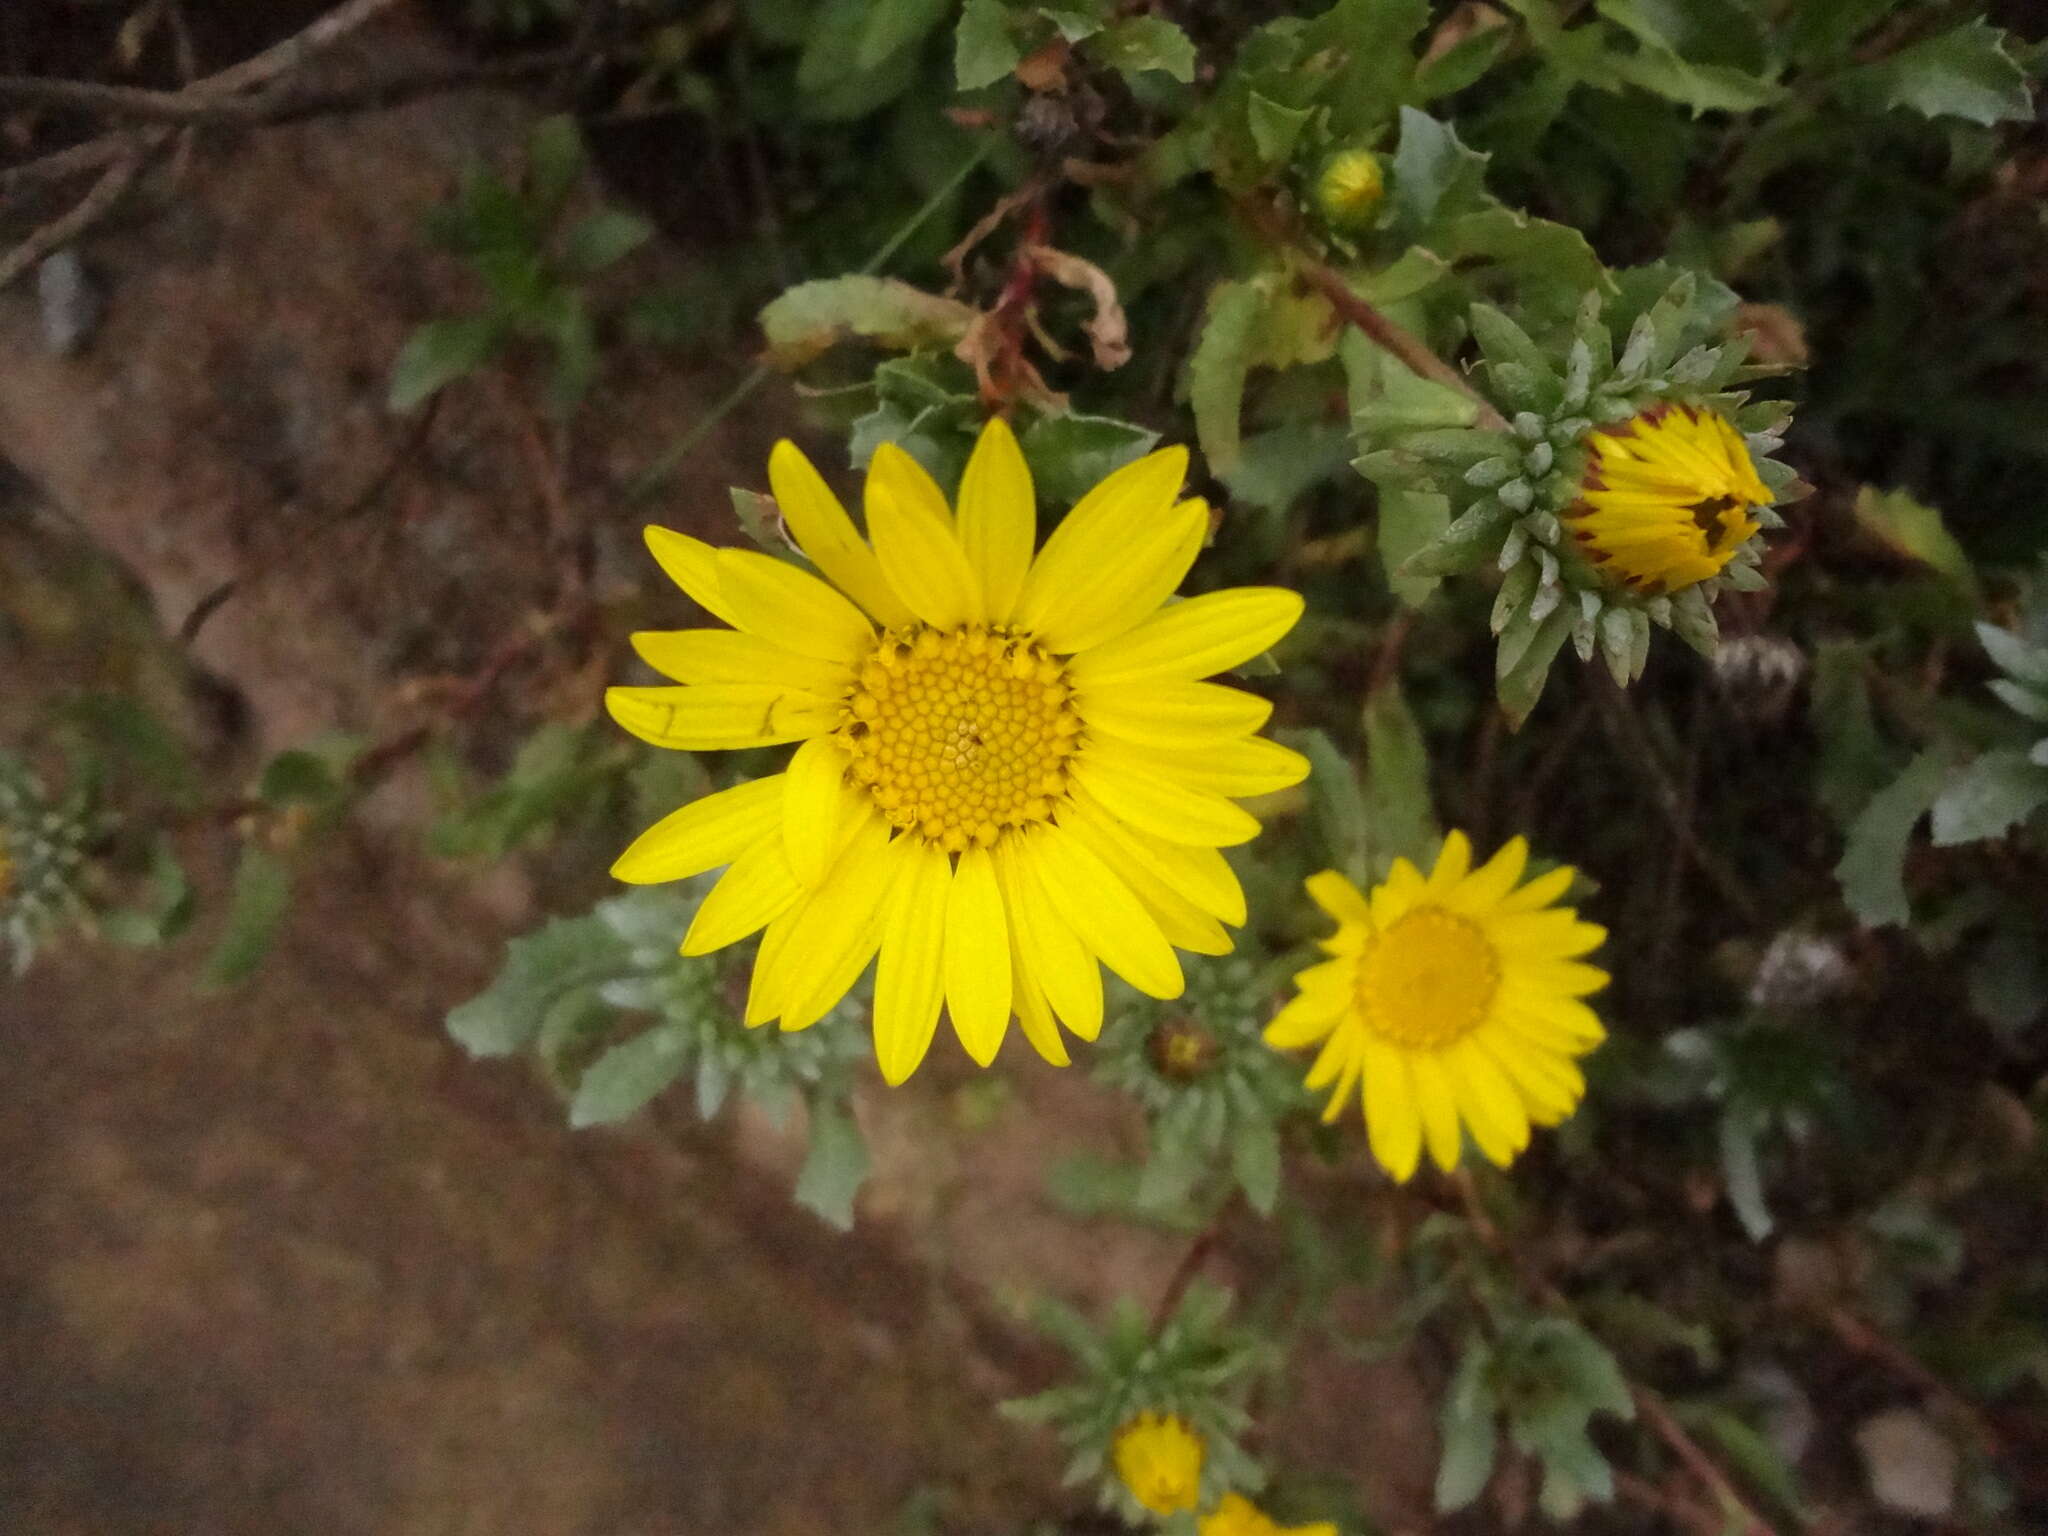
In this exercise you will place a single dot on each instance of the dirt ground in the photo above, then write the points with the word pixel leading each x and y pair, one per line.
pixel 282 1258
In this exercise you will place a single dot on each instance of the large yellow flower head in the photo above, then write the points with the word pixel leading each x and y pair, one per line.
pixel 1159 1459
pixel 1236 1515
pixel 1666 498
pixel 1451 999
pixel 1009 768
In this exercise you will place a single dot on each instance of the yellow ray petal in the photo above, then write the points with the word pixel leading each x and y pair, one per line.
pixel 815 806
pixel 1161 806
pixel 692 565
pixel 977 957
pixel 1438 1108
pixel 1108 918
pixel 1303 1020
pixel 732 656
pixel 1239 768
pixel 1185 925
pixel 825 533
pixel 843 926
pixel 1126 508
pixel 998 517
pixel 1453 862
pixel 1393 1119
pixel 757 889
pixel 718 716
pixel 1174 716
pixel 775 600
pixel 1034 1013
pixel 1492 1107
pixel 916 542
pixel 703 834
pixel 1054 956
pixel 1204 874
pixel 1113 576
pixel 1339 897
pixel 1197 638
pixel 1487 886
pixel 910 976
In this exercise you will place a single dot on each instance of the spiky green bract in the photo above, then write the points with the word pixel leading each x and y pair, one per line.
pixel 700 996
pixel 1197 1364
pixel 42 851
pixel 1212 1092
pixel 1656 340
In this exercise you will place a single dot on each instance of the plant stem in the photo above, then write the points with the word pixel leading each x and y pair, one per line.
pixel 651 477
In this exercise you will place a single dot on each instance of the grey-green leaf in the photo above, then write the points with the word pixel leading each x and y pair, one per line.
pixel 1992 794
pixel 1872 868
pixel 835 1166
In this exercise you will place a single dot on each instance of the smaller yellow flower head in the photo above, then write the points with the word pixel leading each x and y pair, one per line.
pixel 1452 1003
pixel 1236 1515
pixel 1159 1459
pixel 1350 186
pixel 1666 496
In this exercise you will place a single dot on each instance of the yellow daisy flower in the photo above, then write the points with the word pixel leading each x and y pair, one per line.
pixel 1451 999
pixel 1159 1459
pixel 1236 1515
pixel 1665 499
pixel 1009 768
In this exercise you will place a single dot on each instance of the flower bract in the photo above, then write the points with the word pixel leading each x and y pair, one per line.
pixel 1236 1515
pixel 1159 1459
pixel 1451 999
pixel 1667 497
pixel 1009 767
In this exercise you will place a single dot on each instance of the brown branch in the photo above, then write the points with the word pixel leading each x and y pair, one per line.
pixel 1357 311
pixel 1649 1406
pixel 361 502
pixel 65 228
pixel 1865 1340
pixel 1191 1264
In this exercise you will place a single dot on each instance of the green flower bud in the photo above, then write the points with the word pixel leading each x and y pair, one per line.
pixel 1349 188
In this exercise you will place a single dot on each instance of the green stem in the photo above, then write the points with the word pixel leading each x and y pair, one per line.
pixel 652 477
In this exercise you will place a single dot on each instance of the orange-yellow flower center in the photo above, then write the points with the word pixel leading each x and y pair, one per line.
pixel 962 734
pixel 1666 497
pixel 1428 980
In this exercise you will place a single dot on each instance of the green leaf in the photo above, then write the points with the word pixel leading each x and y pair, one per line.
pixel 1466 1427
pixel 1276 468
pixel 2015 657
pixel 1753 1455
pixel 1853 763
pixel 439 352
pixel 1872 868
pixel 1337 799
pixel 1255 1162
pixel 1139 43
pixel 1069 455
pixel 896 24
pixel 1218 367
pixel 1399 818
pixel 256 911
pixel 1965 72
pixel 541 969
pixel 168 911
pixel 607 236
pixel 810 318
pixel 621 1082
pixel 1699 31
pixel 1433 173
pixel 1698 87
pixel 1915 530
pixel 835 1166
pixel 554 159
pixel 984 50
pixel 1462 63
pixel 1520 684
pixel 1409 522
pixel 1992 794
pixel 1535 248
pixel 1275 129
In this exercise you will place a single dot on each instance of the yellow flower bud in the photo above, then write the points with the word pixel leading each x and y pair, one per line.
pixel 1349 188
pixel 1159 1459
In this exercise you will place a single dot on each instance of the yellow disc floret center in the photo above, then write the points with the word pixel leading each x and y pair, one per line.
pixel 1428 980
pixel 961 734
